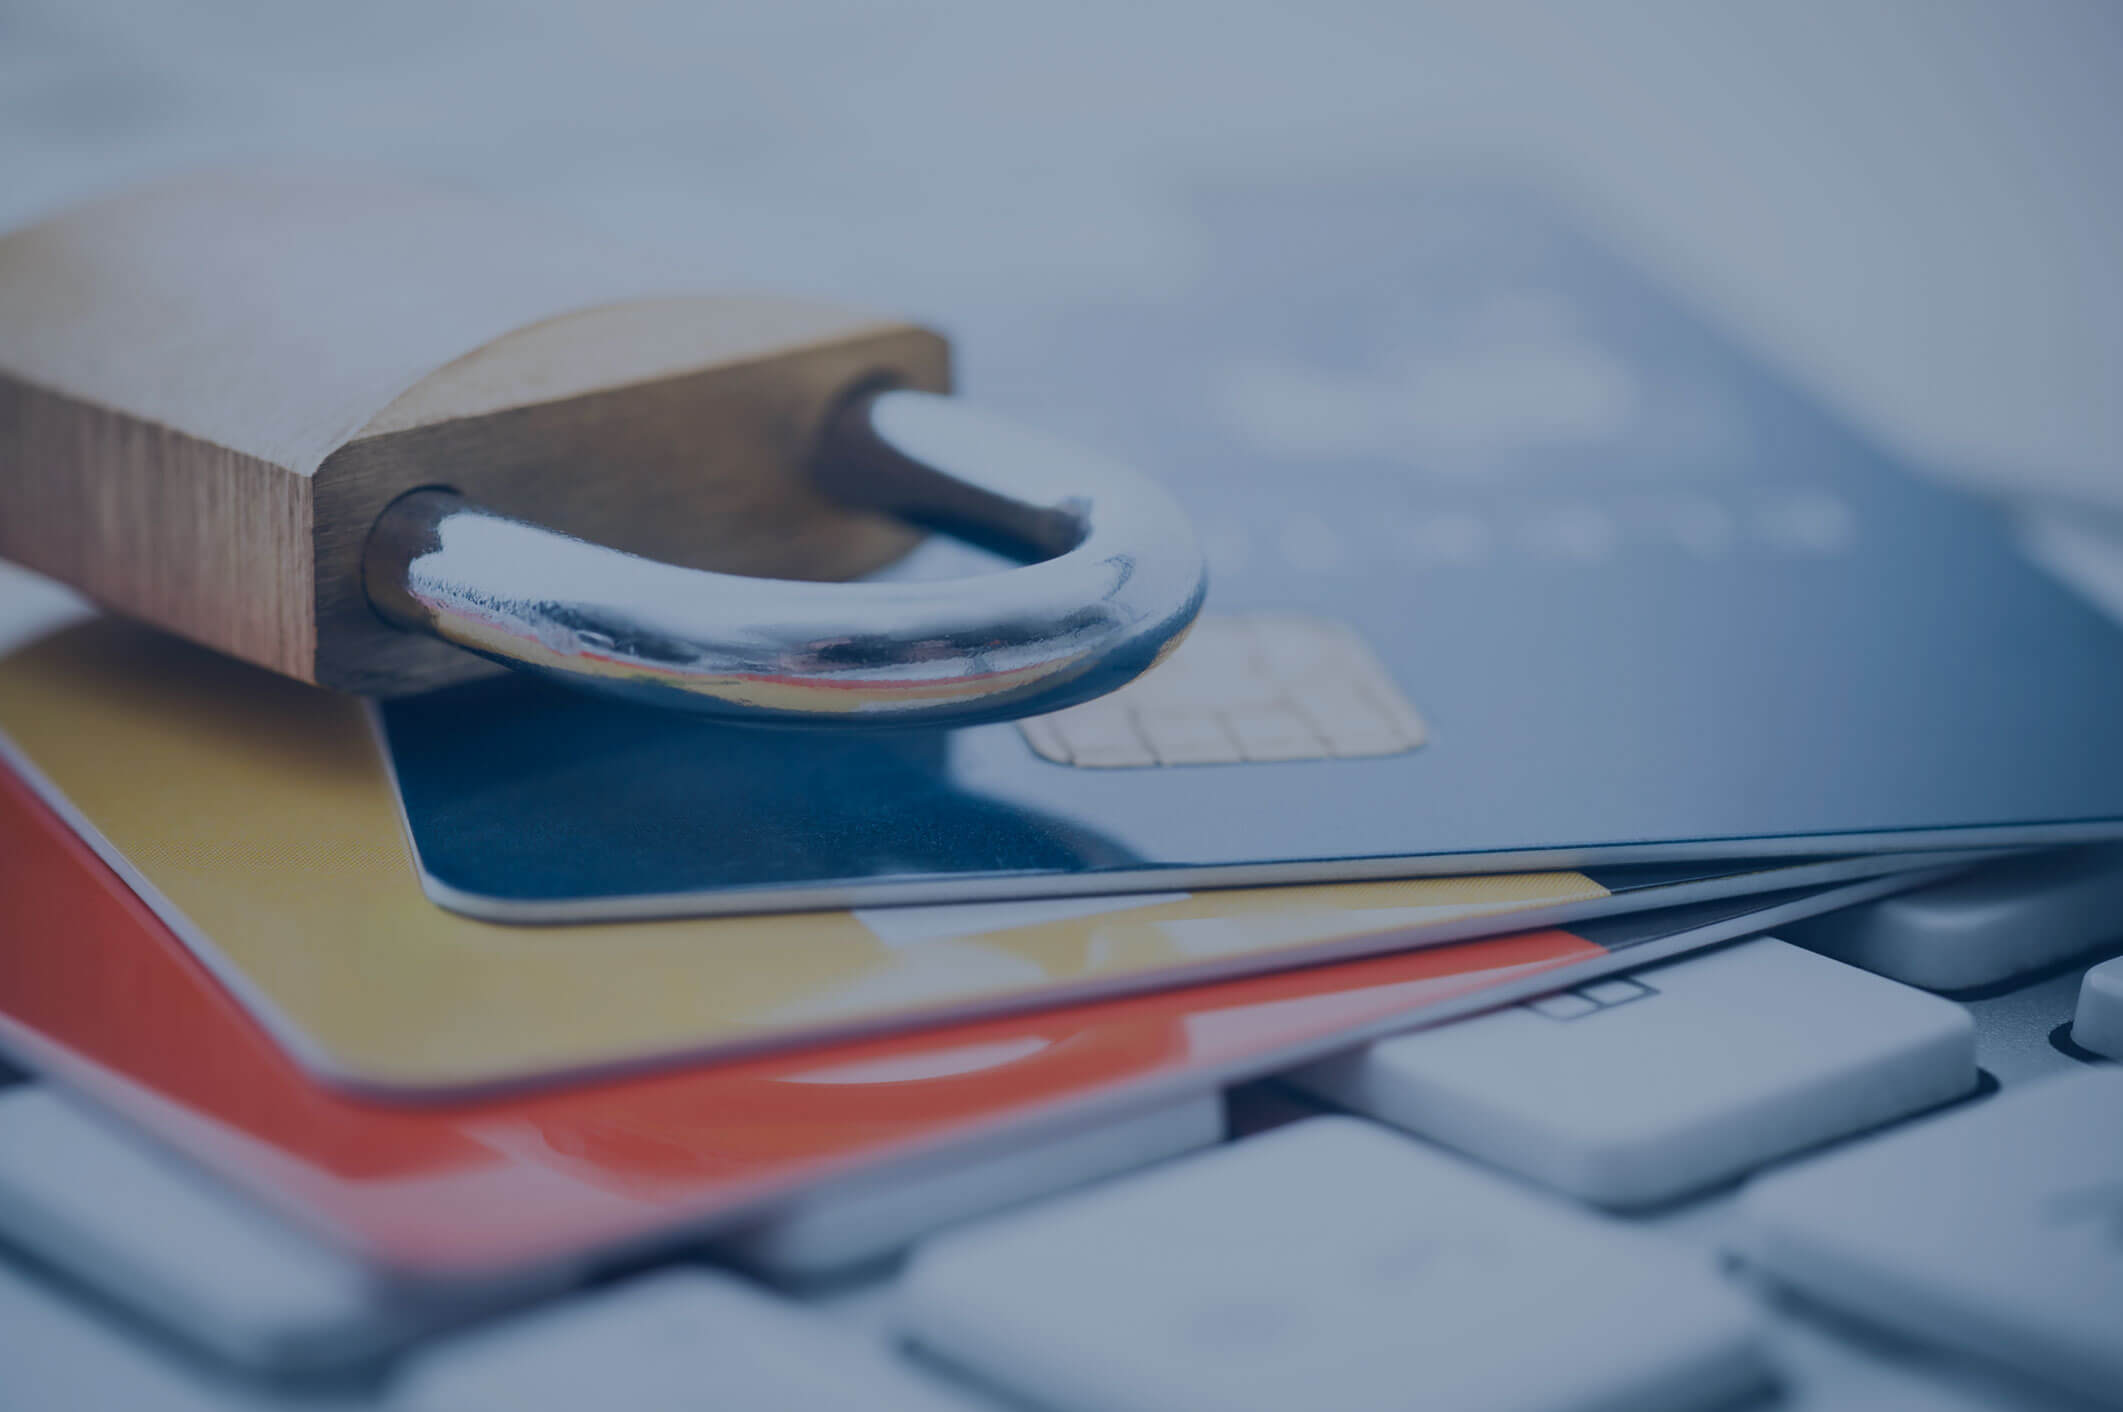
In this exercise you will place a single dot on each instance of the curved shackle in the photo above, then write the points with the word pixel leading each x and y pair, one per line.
pixel 1114 578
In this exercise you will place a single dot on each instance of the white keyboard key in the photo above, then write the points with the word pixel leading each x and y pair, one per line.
pixel 841 1228
pixel 1994 922
pixel 1639 1089
pixel 1996 1230
pixel 133 1223
pixel 2098 1025
pixel 681 1339
pixel 1328 1264
pixel 62 1354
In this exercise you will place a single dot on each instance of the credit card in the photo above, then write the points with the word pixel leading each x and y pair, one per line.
pixel 253 814
pixel 1541 572
pixel 100 996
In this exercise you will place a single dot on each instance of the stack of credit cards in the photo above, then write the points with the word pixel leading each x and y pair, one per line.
pixel 1548 635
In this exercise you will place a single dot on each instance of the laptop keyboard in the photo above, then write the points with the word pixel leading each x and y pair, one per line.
pixel 1756 1176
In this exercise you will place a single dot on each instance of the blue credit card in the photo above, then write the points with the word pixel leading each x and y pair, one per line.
pixel 1595 586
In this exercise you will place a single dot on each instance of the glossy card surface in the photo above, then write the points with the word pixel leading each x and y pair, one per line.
pixel 1645 598
pixel 99 995
pixel 254 815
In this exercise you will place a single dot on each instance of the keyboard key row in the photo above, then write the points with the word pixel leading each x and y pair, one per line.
pixel 1332 1263
pixel 179 1249
pixel 1311 1266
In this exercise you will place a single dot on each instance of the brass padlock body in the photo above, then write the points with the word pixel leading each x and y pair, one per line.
pixel 210 389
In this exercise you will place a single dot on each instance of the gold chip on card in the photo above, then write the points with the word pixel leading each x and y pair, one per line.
pixel 1246 687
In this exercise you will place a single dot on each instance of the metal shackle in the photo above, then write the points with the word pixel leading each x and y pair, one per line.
pixel 1110 578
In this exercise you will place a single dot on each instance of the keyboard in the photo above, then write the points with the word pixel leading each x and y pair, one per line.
pixel 1873 1162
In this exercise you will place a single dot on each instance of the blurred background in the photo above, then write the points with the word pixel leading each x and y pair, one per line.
pixel 1915 207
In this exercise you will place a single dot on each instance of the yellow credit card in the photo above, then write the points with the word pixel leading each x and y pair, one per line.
pixel 256 817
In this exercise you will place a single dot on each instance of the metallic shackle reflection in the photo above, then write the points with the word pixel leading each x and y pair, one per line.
pixel 1111 577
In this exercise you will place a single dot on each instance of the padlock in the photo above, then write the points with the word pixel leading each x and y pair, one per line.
pixel 379 438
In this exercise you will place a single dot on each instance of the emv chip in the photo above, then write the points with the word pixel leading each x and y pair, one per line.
pixel 1257 686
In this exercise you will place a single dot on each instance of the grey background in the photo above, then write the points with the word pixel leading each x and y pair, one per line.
pixel 1915 205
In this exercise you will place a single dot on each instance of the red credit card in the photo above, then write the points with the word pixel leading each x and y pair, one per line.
pixel 97 993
